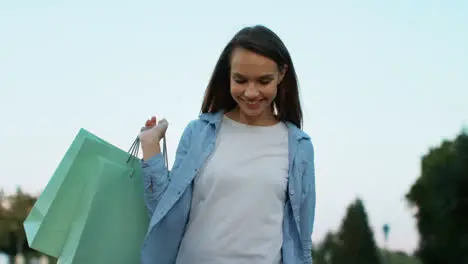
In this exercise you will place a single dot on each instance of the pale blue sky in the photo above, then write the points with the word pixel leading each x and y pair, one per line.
pixel 381 82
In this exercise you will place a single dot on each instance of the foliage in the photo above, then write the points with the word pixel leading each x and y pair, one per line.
pixel 440 196
pixel 13 212
pixel 326 251
pixel 353 244
pixel 356 244
pixel 3 223
pixel 399 258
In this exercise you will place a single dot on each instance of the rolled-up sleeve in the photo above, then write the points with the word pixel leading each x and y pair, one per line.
pixel 155 180
pixel 156 176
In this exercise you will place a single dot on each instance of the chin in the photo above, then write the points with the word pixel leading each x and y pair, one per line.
pixel 253 112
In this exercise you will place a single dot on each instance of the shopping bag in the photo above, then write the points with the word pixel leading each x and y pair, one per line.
pixel 92 210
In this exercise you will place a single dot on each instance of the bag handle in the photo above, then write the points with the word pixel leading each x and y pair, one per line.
pixel 135 148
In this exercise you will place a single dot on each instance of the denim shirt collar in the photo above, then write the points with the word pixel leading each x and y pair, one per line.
pixel 215 119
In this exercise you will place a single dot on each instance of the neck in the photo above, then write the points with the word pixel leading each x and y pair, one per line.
pixel 267 118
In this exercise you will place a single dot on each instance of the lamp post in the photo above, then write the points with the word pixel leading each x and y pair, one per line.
pixel 386 231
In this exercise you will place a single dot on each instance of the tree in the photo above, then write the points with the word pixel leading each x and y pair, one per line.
pixel 355 242
pixel 3 223
pixel 440 196
pixel 12 235
pixel 326 251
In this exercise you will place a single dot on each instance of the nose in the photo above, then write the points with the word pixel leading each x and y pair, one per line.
pixel 251 91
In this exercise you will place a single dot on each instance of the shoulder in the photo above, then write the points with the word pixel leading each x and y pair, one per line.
pixel 305 145
pixel 202 121
pixel 306 152
pixel 306 148
pixel 198 125
pixel 192 127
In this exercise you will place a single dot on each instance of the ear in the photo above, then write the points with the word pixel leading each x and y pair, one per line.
pixel 283 72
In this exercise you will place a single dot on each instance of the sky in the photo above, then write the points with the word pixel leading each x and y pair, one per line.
pixel 381 83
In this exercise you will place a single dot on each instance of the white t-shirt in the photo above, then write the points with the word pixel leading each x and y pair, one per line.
pixel 238 198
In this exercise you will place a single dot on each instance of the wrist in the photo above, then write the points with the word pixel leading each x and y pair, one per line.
pixel 150 150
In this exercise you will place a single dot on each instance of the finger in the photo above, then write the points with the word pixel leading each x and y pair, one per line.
pixel 148 123
pixel 153 121
pixel 163 122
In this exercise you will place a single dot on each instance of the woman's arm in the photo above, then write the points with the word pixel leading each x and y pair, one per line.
pixel 308 204
pixel 155 174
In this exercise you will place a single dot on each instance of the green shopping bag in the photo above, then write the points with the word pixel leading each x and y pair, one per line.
pixel 92 210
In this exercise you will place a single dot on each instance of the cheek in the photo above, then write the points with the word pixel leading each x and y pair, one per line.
pixel 236 89
pixel 270 91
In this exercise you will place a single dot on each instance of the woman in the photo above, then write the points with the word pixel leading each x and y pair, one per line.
pixel 242 186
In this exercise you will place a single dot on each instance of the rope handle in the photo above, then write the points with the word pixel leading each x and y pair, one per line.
pixel 135 148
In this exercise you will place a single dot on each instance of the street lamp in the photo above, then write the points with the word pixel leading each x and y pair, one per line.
pixel 386 231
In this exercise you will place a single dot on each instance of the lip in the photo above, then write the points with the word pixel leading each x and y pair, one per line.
pixel 253 104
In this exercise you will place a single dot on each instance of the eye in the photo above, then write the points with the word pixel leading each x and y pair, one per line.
pixel 240 81
pixel 265 81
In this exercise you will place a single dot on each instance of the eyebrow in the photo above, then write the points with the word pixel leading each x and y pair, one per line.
pixel 265 76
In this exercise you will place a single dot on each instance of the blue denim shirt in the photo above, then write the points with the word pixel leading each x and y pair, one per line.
pixel 168 195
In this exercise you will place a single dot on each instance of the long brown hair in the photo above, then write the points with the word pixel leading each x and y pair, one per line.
pixel 263 41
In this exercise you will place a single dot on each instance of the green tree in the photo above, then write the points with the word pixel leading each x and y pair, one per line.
pixel 355 242
pixel 440 196
pixel 4 239
pixel 12 235
pixel 326 251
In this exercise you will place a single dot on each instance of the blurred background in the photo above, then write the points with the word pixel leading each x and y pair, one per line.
pixel 384 88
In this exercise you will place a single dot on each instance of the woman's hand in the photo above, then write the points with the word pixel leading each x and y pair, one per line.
pixel 150 136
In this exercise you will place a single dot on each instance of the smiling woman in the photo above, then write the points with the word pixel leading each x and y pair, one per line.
pixel 254 86
pixel 255 69
pixel 242 188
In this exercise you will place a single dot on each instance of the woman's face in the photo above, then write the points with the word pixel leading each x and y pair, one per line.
pixel 254 83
